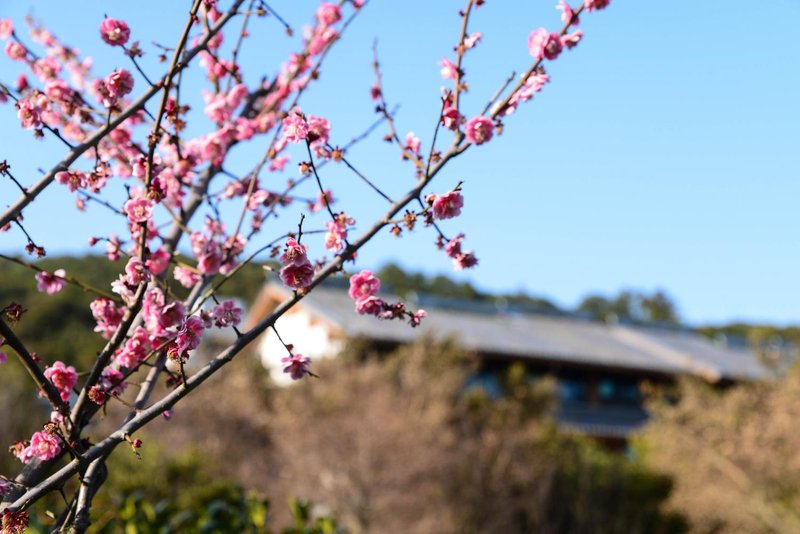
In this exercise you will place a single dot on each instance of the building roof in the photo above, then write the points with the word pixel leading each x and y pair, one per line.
pixel 566 340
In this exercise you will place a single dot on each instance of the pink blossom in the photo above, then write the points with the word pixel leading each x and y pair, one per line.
pixel 318 130
pixel 413 143
pixel 158 261
pixel 43 446
pixel 119 83
pixel 336 236
pixel 114 32
pixel 322 201
pixel 592 5
pixel 295 128
pixel 543 44
pixel 451 118
pixel 62 377
pixel 112 381
pixel 449 70
pixel 472 39
pixel 479 130
pixel 278 164
pixel 416 319
pixel 186 276
pixel 59 91
pixel 51 283
pixel 113 248
pixel 448 205
pixel 296 366
pixel 453 247
pixel 321 39
pixel 465 260
pixel 74 180
pixel 15 51
pixel 370 306
pixel 294 253
pixel 136 272
pixel 227 314
pixel 571 40
pixel 329 14
pixel 135 349
pixel 297 276
pixel 364 285
pixel 29 114
pixel 6 28
pixel 107 315
pixel 139 209
pixel 567 13
pixel 190 334
pixel 46 68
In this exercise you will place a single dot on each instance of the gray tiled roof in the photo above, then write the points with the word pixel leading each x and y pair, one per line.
pixel 564 339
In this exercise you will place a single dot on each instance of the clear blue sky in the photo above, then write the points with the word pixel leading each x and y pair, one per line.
pixel 664 154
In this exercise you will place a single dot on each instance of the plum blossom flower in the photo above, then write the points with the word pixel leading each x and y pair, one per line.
pixel 413 143
pixel 318 130
pixel 329 14
pixel 51 283
pixel 15 51
pixel 114 32
pixel 189 334
pixel 449 70
pixel 158 261
pixel 370 306
pixel 567 13
pixel 43 446
pixel 461 260
pixel 336 236
pixel 451 118
pixel 448 205
pixel 107 315
pixel 417 317
pixel 119 83
pixel 29 114
pixel 63 378
pixel 295 128
pixel 6 28
pixel 296 366
pixel 592 5
pixel 74 180
pixel 571 40
pixel 185 276
pixel 227 314
pixel 479 130
pixel 139 209
pixel 294 253
pixel 544 45
pixel 364 285
pixel 472 39
pixel 297 276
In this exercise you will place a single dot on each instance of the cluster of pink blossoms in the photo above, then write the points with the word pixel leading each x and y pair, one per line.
pixel 297 271
pixel 43 446
pixel 51 283
pixel 363 288
pixel 115 86
pixel 461 259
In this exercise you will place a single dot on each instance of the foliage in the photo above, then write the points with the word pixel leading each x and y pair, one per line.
pixel 396 442
pixel 733 454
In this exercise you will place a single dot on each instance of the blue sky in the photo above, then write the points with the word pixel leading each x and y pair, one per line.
pixel 663 154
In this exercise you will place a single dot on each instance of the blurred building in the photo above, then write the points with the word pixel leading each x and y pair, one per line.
pixel 602 369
